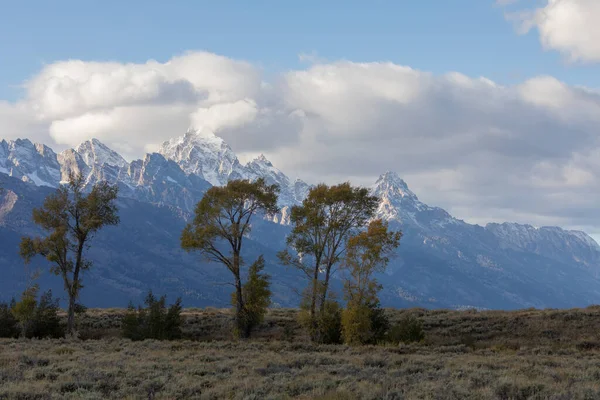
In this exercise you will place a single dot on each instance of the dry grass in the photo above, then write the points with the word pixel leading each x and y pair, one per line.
pixel 549 354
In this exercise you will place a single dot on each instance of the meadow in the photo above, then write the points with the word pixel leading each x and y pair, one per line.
pixel 526 354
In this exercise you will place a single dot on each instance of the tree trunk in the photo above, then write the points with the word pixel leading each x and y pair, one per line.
pixel 71 315
pixel 314 334
pixel 73 291
pixel 240 320
pixel 325 287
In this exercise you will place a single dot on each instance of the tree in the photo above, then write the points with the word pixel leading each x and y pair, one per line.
pixel 256 295
pixel 222 220
pixel 153 322
pixel 367 253
pixel 321 227
pixel 71 219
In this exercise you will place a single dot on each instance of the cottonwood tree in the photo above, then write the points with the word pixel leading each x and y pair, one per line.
pixel 71 218
pixel 222 220
pixel 321 226
pixel 367 253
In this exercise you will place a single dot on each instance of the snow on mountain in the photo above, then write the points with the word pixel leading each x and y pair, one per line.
pixel 441 257
pixel 71 162
pixel 94 152
pixel 186 166
pixel 550 241
pixel 95 161
pixel 203 154
pixel 291 193
pixel 399 203
pixel 35 163
pixel 155 179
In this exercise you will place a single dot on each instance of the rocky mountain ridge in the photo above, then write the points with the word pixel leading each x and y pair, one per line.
pixel 442 261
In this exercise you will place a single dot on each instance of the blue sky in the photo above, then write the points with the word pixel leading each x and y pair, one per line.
pixel 470 36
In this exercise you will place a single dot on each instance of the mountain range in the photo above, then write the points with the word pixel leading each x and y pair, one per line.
pixel 443 262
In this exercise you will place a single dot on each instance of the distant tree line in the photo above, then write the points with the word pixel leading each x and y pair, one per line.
pixel 334 233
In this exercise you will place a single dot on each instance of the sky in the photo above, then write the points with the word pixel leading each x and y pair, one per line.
pixel 487 108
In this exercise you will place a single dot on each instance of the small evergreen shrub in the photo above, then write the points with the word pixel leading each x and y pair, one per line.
pixel 153 322
pixel 9 326
pixel 408 330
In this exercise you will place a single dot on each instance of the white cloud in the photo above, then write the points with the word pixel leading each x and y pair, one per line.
pixel 568 26
pixel 225 115
pixel 528 152
pixel 17 120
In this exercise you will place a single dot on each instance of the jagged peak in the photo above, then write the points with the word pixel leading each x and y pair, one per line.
pixel 20 141
pixel 390 183
pixel 194 137
pixel 26 144
pixel 392 177
pixel 93 152
pixel 261 160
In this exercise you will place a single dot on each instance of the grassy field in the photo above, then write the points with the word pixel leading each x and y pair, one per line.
pixel 549 354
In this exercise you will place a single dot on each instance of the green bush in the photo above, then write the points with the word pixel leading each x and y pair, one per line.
pixel 356 324
pixel 154 321
pixel 37 319
pixel 9 326
pixel 46 323
pixel 364 324
pixel 326 326
pixel 329 323
pixel 256 294
pixel 408 330
pixel 380 324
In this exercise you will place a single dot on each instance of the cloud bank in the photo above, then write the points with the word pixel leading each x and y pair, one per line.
pixel 568 26
pixel 486 152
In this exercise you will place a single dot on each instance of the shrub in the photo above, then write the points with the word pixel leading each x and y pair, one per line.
pixel 363 324
pixel 9 326
pixel 356 325
pixel 46 323
pixel 326 326
pixel 380 324
pixel 37 319
pixel 329 323
pixel 132 323
pixel 154 321
pixel 24 310
pixel 408 330
pixel 257 298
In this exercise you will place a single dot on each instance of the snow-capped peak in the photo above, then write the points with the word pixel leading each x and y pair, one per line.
pixel 203 154
pixel 398 202
pixel 390 184
pixel 262 160
pixel 94 152
pixel 35 163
